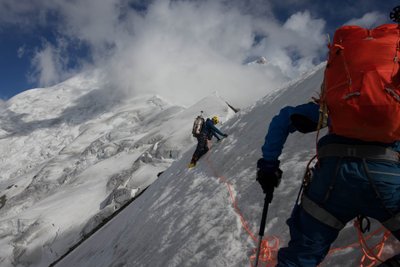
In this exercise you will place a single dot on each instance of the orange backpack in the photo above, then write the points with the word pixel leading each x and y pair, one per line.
pixel 362 83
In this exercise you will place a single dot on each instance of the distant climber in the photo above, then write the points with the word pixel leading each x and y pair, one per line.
pixel 358 169
pixel 204 134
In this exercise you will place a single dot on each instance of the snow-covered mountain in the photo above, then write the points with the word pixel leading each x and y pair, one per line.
pixel 73 154
pixel 187 217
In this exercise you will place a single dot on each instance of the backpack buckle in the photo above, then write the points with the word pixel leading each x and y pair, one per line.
pixel 351 152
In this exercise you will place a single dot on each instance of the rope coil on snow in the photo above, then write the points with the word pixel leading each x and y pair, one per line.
pixel 268 252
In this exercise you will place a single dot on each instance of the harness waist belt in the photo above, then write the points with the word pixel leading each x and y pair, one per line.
pixel 358 151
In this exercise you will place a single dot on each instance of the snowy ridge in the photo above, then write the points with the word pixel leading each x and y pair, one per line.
pixel 73 154
pixel 185 218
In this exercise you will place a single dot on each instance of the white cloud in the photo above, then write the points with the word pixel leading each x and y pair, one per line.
pixel 294 46
pixel 183 50
pixel 21 51
pixel 186 51
pixel 307 33
pixel 11 11
pixel 369 20
pixel 95 22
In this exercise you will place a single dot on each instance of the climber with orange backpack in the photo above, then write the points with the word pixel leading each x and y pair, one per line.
pixel 358 169
pixel 204 130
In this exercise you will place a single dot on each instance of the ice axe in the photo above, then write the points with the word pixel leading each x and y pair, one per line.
pixel 268 199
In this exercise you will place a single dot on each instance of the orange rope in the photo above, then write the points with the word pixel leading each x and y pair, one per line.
pixel 371 254
pixel 222 179
pixel 269 246
pixel 268 252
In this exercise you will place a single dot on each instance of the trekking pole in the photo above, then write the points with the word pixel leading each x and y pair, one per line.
pixel 267 200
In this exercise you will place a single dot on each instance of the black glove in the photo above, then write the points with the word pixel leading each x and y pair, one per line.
pixel 268 175
pixel 303 124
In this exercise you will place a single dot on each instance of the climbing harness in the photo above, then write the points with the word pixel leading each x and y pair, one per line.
pixel 371 254
pixel 270 244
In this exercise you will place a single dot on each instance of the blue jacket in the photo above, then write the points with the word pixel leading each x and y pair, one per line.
pixel 350 190
pixel 210 130
pixel 281 126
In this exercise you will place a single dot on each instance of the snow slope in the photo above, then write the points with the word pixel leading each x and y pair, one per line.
pixel 74 153
pixel 186 218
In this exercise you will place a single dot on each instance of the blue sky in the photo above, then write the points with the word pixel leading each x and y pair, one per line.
pixel 43 42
